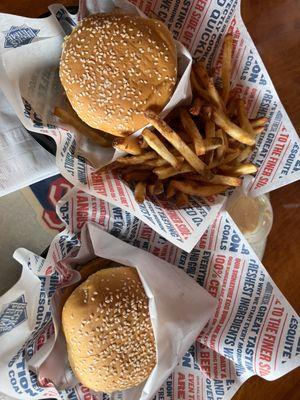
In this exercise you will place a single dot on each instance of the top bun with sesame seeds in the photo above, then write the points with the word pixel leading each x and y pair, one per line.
pixel 108 331
pixel 114 67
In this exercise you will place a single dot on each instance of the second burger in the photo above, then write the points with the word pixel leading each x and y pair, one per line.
pixel 106 322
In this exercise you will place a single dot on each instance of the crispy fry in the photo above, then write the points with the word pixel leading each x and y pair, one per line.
pixel 210 132
pixel 140 191
pixel 221 150
pixel 210 129
pixel 202 75
pixel 225 160
pixel 156 162
pixel 70 118
pixel 170 191
pixel 196 106
pixel 232 107
pixel 199 90
pixel 132 160
pixel 243 118
pixel 232 129
pixel 176 141
pixel 150 188
pixel 182 199
pixel 159 188
pixel 167 172
pixel 214 95
pixel 217 179
pixel 212 143
pixel 155 188
pixel 206 112
pixel 156 144
pixel 239 170
pixel 226 66
pixel 192 130
pixel 258 130
pixel 245 153
pixel 232 156
pixel 194 189
pixel 130 144
pixel 258 122
pixel 137 175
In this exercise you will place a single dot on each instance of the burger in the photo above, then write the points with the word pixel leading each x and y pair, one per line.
pixel 108 331
pixel 114 67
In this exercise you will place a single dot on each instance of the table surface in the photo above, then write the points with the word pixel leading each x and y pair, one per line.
pixel 275 28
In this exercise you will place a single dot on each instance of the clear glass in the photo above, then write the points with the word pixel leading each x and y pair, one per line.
pixel 254 217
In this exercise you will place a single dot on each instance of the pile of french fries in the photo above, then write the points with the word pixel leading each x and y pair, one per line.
pixel 200 150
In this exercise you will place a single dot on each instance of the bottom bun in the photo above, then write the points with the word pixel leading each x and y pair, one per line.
pixel 108 331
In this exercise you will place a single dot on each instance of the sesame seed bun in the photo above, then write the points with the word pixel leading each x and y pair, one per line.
pixel 108 331
pixel 114 66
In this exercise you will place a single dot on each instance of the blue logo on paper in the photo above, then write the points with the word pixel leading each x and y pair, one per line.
pixel 13 315
pixel 18 36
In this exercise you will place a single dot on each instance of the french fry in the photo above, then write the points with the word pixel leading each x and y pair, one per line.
pixel 206 112
pixel 221 150
pixel 159 188
pixel 226 66
pixel 239 170
pixel 258 122
pixel 258 130
pixel 176 141
pixel 156 162
pixel 199 90
pixel 156 144
pixel 170 191
pixel 232 107
pixel 181 199
pixel 155 188
pixel 136 175
pixel 195 108
pixel 212 143
pixel 243 118
pixel 217 179
pixel 194 189
pixel 150 188
pixel 214 95
pixel 202 75
pixel 210 132
pixel 133 160
pixel 245 153
pixel 192 130
pixel 68 117
pixel 225 141
pixel 231 157
pixel 130 145
pixel 232 129
pixel 140 191
pixel 167 172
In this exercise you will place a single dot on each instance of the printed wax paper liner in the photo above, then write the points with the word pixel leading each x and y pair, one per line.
pixel 254 329
pixel 179 309
pixel 200 27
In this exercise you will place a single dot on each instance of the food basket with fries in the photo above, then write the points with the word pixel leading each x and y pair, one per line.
pixel 176 172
